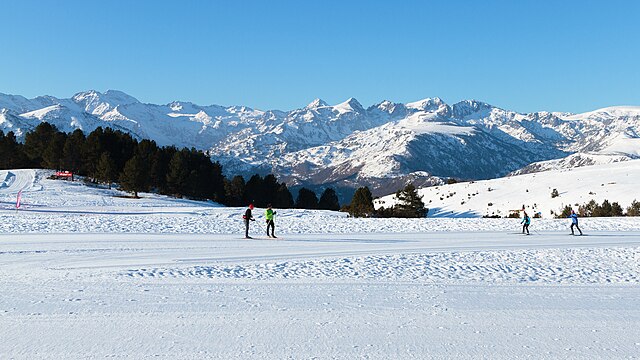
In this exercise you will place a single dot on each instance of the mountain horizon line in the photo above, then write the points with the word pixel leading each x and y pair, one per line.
pixel 314 104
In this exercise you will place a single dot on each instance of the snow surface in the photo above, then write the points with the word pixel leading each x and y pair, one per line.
pixel 85 274
pixel 572 161
pixel 421 123
pixel 611 111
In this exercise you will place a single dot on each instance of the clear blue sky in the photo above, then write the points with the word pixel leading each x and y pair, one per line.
pixel 522 55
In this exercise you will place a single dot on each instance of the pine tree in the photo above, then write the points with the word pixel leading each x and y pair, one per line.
pixel 37 141
pixel 234 191
pixel 361 203
pixel 634 208
pixel 588 209
pixel 158 171
pixel 120 145
pixel 146 149
pixel 198 185
pixel 52 155
pixel 270 187
pixel 215 179
pixel 92 151
pixel 565 213
pixel 5 151
pixel 329 200
pixel 12 154
pixel 255 191
pixel 385 212
pixel 616 209
pixel 134 176
pixel 106 169
pixel 603 210
pixel 306 199
pixel 410 203
pixel 178 174
pixel 283 199
pixel 72 151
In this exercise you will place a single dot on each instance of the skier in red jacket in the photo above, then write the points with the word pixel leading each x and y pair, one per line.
pixel 248 217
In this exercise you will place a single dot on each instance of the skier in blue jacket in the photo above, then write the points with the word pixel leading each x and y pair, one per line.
pixel 574 222
pixel 526 220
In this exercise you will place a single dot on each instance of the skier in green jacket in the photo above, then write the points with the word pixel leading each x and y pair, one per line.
pixel 269 215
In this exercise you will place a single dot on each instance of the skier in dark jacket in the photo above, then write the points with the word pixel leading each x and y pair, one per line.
pixel 526 220
pixel 248 217
pixel 574 222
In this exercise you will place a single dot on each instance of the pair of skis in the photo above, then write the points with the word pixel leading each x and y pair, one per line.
pixel 537 233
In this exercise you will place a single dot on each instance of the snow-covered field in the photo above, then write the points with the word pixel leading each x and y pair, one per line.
pixel 85 274
pixel 616 182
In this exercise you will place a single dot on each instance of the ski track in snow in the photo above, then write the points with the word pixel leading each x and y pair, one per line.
pixel 552 266
pixel 228 221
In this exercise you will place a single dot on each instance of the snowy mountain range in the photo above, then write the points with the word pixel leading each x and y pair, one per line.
pixel 348 145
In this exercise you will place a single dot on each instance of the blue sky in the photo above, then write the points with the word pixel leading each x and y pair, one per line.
pixel 522 55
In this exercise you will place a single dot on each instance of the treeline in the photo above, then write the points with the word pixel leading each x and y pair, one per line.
pixel 262 191
pixel 606 209
pixel 109 156
pixel 408 204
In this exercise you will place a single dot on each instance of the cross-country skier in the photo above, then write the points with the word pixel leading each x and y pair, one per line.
pixel 269 215
pixel 574 222
pixel 248 217
pixel 526 220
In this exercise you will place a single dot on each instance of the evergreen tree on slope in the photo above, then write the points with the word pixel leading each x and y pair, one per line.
pixel 329 200
pixel 134 177
pixel 361 203
pixel 410 203
pixel 307 199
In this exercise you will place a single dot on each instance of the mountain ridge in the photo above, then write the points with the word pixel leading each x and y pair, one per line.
pixel 348 145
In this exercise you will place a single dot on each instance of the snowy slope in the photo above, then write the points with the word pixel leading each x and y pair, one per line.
pixel 42 195
pixel 13 181
pixel 616 182
pixel 573 161
pixel 11 122
pixel 347 144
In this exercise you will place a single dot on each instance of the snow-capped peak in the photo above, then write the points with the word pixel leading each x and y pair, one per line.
pixel 98 103
pixel 425 104
pixel 316 104
pixel 467 107
pixel 85 95
pixel 350 105
pixel 385 105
